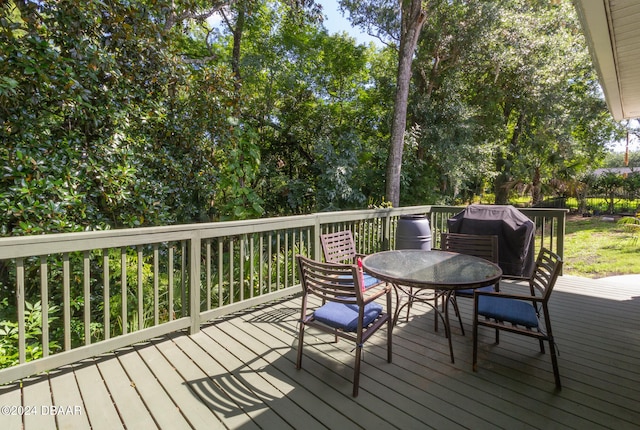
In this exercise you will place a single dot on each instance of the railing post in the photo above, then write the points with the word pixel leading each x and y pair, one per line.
pixel 561 232
pixel 316 238
pixel 386 232
pixel 195 281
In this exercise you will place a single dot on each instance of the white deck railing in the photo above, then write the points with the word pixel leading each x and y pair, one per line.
pixel 78 295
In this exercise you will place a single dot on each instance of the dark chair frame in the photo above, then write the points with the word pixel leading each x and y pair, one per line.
pixel 341 283
pixel 546 271
pixel 482 246
pixel 339 247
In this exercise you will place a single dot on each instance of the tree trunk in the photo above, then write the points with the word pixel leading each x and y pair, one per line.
pixel 237 42
pixel 536 187
pixel 413 18
pixel 502 182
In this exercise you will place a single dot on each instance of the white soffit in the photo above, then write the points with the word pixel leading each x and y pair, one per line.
pixel 612 30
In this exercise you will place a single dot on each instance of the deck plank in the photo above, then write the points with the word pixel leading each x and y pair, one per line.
pixel 66 394
pixel 189 373
pixel 239 372
pixel 211 383
pixel 255 373
pixel 10 398
pixel 100 410
pixel 197 414
pixel 163 410
pixel 126 399
pixel 317 387
pixel 36 394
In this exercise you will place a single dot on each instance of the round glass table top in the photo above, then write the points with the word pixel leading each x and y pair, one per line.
pixel 432 269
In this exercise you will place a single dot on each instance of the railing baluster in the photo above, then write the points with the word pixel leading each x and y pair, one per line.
pixel 251 266
pixel 261 264
pixel 170 282
pixel 22 356
pixel 270 262
pixel 243 243
pixel 106 293
pixel 195 281
pixel 183 275
pixel 156 284
pixel 66 300
pixel 87 296
pixel 232 292
pixel 286 258
pixel 44 301
pixel 123 290
pixel 278 259
pixel 220 273
pixel 208 271
pixel 140 289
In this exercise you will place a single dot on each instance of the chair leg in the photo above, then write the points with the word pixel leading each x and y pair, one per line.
pixel 356 371
pixel 554 363
pixel 475 343
pixel 300 344
pixel 389 339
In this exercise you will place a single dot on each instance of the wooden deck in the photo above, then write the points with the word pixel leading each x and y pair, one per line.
pixel 239 373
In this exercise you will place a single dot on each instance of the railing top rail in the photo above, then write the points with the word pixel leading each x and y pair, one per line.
pixel 26 246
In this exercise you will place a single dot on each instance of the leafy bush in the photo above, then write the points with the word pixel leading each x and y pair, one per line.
pixel 9 354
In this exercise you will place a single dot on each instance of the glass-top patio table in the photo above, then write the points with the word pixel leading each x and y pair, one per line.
pixel 424 276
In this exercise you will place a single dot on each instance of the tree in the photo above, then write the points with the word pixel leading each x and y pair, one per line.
pixel 610 183
pixel 383 15
pixel 449 158
pixel 413 18
pixel 542 88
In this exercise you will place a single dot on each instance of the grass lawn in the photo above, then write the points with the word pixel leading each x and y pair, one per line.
pixel 595 248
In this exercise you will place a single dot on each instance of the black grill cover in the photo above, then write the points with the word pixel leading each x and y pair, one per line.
pixel 515 233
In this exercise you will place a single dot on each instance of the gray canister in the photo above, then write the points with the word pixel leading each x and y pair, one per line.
pixel 413 232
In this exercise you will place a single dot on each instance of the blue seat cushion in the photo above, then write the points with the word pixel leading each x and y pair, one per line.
pixel 369 280
pixel 508 310
pixel 469 292
pixel 345 316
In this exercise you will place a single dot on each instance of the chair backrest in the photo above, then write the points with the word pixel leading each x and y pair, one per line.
pixel 545 273
pixel 338 247
pixel 483 246
pixel 330 281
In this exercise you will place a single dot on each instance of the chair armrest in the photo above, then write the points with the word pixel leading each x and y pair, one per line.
pixel 375 292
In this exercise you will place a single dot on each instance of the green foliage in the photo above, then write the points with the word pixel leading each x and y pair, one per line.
pixel 122 115
pixel 9 354
pixel 505 93
pixel 99 120
pixel 632 225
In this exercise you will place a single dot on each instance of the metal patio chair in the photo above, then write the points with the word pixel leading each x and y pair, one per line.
pixel 525 314
pixel 348 310
pixel 483 246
